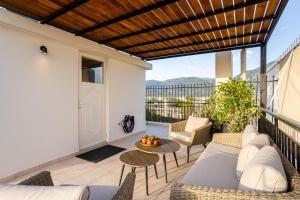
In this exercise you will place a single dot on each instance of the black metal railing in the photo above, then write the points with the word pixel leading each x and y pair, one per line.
pixel 171 103
pixel 285 132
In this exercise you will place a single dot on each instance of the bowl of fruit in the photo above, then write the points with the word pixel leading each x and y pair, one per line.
pixel 150 141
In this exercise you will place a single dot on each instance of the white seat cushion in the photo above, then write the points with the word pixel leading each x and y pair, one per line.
pixel 249 134
pixel 249 151
pixel 260 141
pixel 184 136
pixel 250 128
pixel 194 123
pixel 102 192
pixel 264 172
pixel 25 192
pixel 217 148
pixel 246 154
pixel 214 168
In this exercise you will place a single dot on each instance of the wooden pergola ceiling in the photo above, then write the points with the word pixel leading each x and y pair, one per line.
pixel 156 29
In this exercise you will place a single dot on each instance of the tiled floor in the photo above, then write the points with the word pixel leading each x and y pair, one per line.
pixel 107 172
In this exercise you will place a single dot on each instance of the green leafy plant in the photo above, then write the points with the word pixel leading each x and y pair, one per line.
pixel 154 116
pixel 232 103
pixel 187 106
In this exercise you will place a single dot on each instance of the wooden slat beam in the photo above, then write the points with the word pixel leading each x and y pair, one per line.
pixel 189 19
pixel 127 16
pixel 62 11
pixel 110 46
pixel 233 47
pixel 203 42
pixel 247 22
pixel 277 16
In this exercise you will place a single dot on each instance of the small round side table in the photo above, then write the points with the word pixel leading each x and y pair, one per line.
pixel 140 159
pixel 167 146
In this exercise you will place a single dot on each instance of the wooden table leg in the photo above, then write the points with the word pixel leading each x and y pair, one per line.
pixel 174 153
pixel 165 165
pixel 146 176
pixel 188 154
pixel 155 169
pixel 133 169
pixel 121 174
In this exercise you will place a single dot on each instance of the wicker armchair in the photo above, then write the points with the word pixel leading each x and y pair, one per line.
pixel 125 191
pixel 40 179
pixel 193 192
pixel 198 136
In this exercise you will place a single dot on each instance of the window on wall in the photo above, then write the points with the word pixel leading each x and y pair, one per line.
pixel 92 70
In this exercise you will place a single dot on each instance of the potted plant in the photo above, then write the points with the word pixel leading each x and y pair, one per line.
pixel 232 105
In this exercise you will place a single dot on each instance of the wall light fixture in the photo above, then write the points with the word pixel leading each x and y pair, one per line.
pixel 44 50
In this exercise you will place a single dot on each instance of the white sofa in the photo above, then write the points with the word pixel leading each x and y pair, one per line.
pixel 216 175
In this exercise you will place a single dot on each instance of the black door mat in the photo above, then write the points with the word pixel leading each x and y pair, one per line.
pixel 101 153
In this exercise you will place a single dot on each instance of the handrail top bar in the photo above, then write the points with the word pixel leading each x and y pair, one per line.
pixel 284 119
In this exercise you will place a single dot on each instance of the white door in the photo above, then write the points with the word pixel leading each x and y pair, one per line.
pixel 91 103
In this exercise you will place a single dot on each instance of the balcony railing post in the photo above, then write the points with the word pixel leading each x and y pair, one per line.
pixel 263 83
pixel 276 131
pixel 273 92
pixel 298 157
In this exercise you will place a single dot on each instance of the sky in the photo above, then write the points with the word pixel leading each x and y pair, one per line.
pixel 203 65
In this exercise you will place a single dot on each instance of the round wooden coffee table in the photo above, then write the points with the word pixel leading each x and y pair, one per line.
pixel 136 159
pixel 167 146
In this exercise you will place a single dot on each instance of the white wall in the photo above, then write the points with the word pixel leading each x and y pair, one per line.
pixel 39 94
pixel 244 64
pixel 38 101
pixel 126 95
pixel 286 90
pixel 289 85
pixel 223 66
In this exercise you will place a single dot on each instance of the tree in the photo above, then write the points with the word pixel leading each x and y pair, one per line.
pixel 232 103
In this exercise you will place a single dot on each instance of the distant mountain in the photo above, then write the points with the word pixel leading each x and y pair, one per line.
pixel 253 73
pixel 180 81
pixel 256 72
pixel 153 83
pixel 196 80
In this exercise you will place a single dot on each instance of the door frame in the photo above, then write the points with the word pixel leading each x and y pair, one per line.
pixel 104 84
